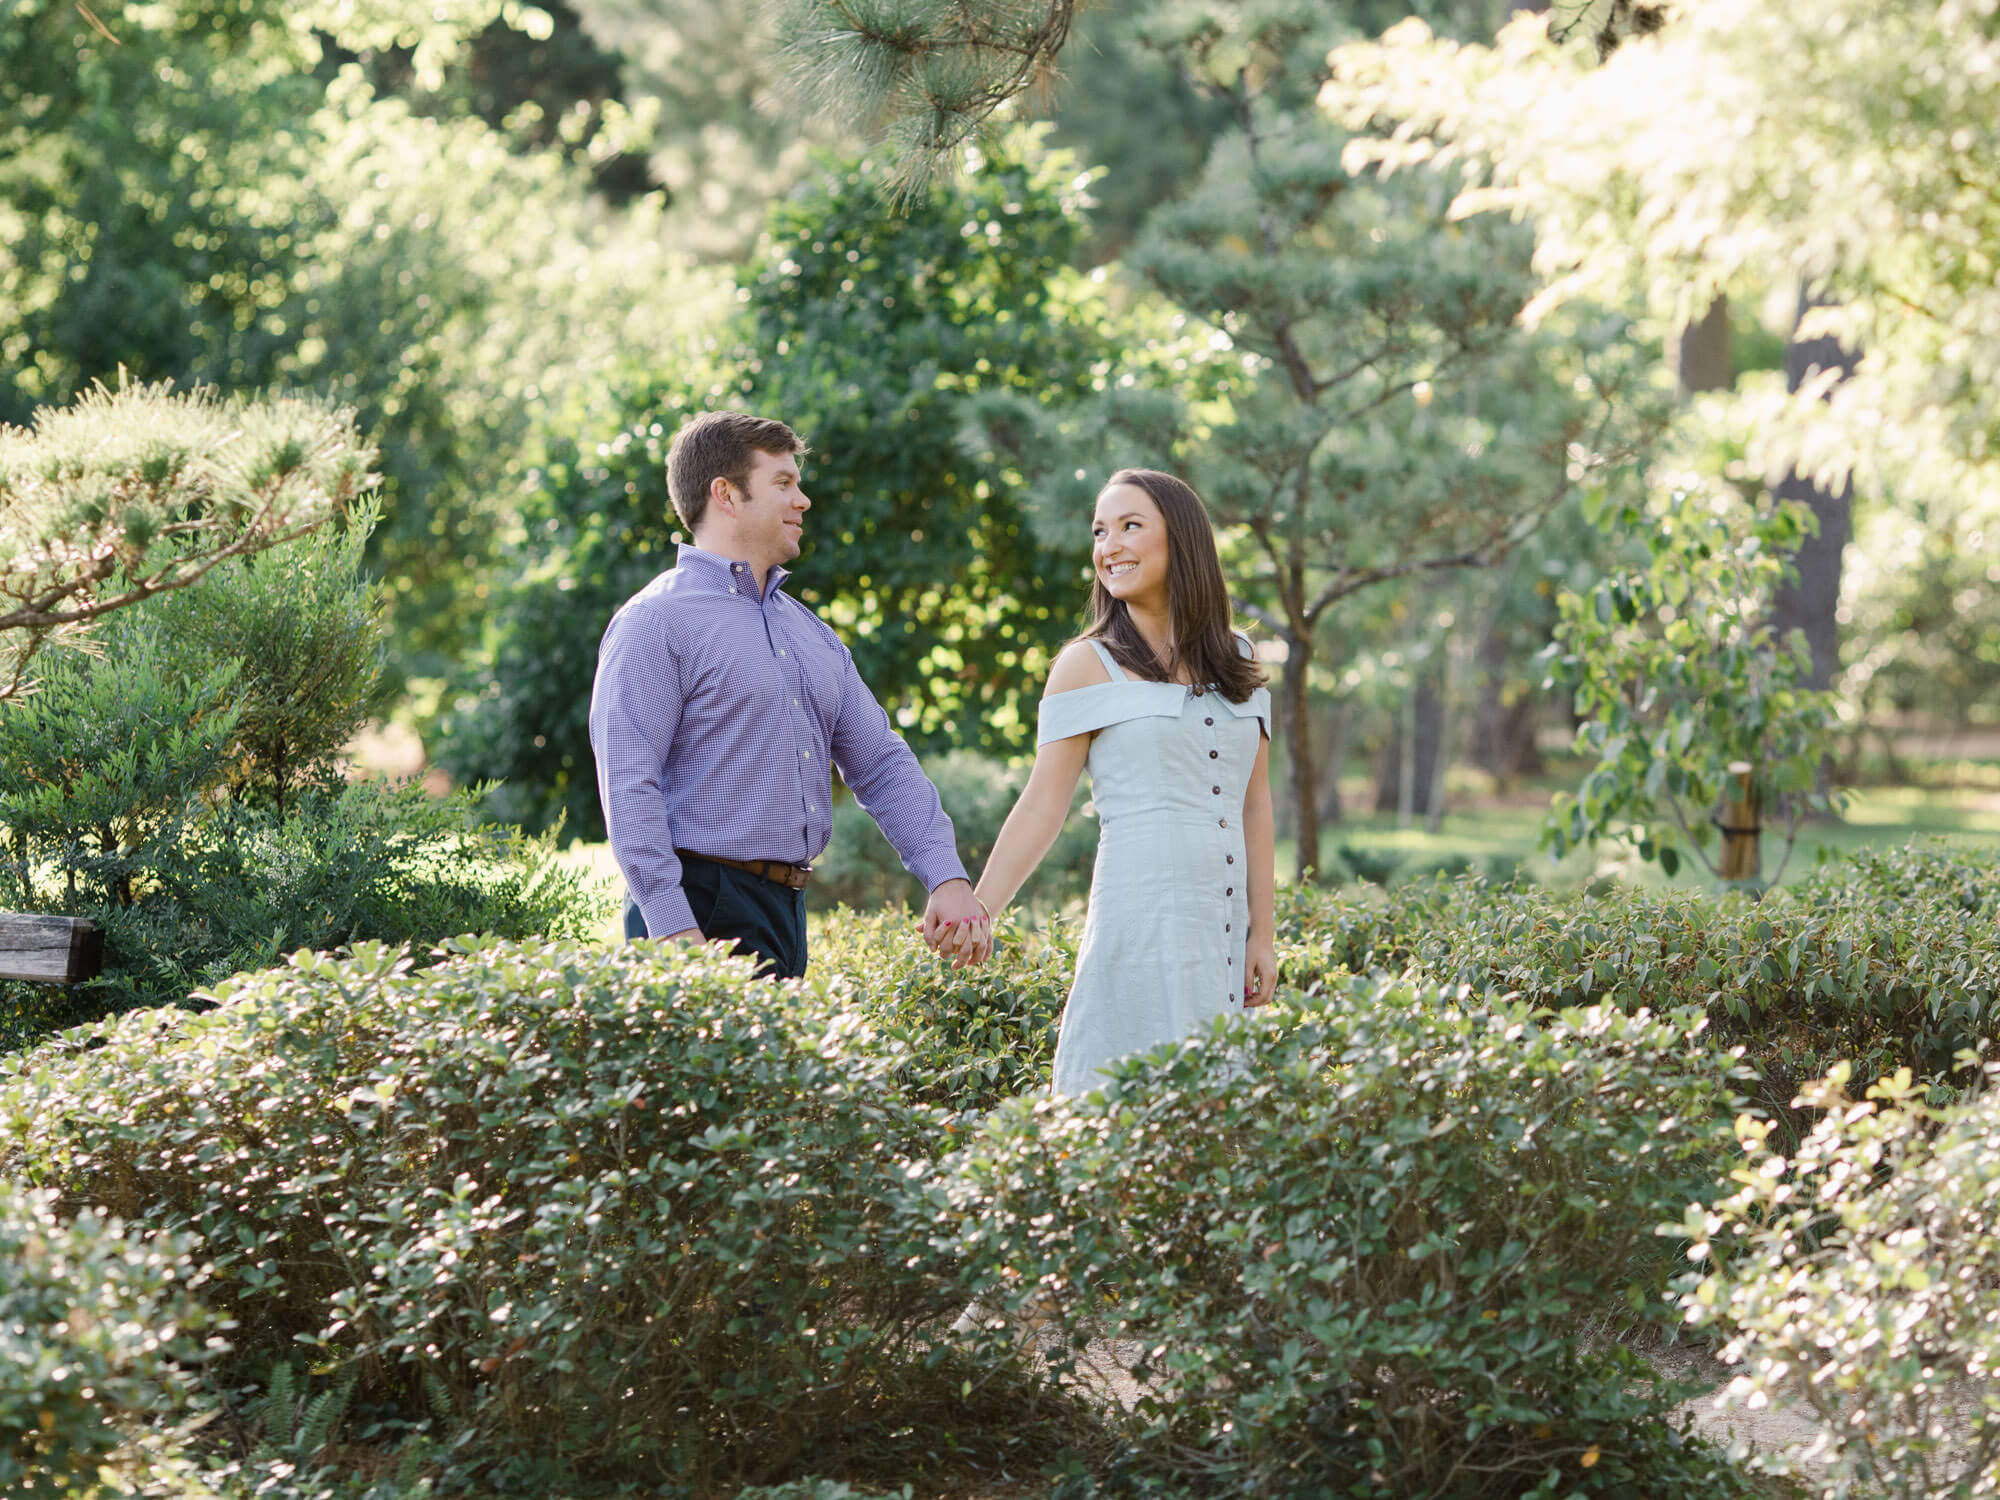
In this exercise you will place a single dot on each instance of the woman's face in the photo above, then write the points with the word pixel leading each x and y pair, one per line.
pixel 1129 546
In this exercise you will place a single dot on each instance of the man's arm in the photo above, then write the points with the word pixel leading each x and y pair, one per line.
pixel 892 788
pixel 635 709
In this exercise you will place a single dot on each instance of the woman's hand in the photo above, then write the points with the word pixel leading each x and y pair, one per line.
pixel 967 943
pixel 1260 972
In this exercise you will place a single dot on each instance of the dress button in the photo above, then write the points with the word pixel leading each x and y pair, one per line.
pixel 1224 823
pixel 1229 891
pixel 1225 927
pixel 1217 790
pixel 1230 858
pixel 1212 754
pixel 1209 722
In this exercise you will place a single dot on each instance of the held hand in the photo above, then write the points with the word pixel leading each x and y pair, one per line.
pixel 1260 973
pixel 690 936
pixel 956 925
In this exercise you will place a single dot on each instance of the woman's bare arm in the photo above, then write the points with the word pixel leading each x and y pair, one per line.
pixel 1260 966
pixel 1036 819
pixel 1043 806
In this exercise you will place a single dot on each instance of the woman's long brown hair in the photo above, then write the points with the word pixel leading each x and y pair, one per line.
pixel 1197 600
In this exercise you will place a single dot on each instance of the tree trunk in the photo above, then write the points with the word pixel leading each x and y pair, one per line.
pixel 1701 355
pixel 1418 737
pixel 1503 733
pixel 1305 778
pixel 1742 860
pixel 1812 603
pixel 1330 808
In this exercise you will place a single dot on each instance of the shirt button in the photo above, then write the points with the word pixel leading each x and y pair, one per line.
pixel 732 588
pixel 807 754
pixel 795 703
pixel 781 651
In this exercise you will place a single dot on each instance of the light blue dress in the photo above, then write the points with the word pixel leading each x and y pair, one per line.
pixel 1163 936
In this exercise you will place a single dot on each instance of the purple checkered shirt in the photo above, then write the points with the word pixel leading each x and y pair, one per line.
pixel 717 719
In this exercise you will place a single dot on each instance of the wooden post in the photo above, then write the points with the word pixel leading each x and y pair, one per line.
pixel 1741 823
pixel 52 950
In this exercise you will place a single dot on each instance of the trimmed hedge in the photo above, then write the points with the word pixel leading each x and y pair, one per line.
pixel 601 1212
pixel 1358 1244
pixel 95 1325
pixel 1860 1277
pixel 962 1039
pixel 1884 960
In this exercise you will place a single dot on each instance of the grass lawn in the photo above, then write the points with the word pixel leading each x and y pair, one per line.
pixel 1510 828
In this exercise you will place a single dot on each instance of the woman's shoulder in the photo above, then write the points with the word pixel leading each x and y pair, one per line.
pixel 1244 645
pixel 1077 665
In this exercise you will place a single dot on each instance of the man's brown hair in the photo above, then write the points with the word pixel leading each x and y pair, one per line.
pixel 720 445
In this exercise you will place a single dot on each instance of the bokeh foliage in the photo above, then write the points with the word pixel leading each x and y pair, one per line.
pixel 204 195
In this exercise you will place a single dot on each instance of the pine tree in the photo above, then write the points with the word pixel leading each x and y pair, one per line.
pixel 141 491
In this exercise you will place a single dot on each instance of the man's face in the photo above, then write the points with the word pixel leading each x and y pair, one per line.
pixel 770 513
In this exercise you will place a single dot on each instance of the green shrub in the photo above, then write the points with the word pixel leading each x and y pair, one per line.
pixel 963 1039
pixel 178 782
pixel 608 1211
pixel 301 626
pixel 345 863
pixel 1861 1277
pixel 1888 960
pixel 1358 1244
pixel 95 1322
pixel 859 869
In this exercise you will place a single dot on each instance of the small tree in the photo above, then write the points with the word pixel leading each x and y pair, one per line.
pixel 306 625
pixel 1694 707
pixel 140 491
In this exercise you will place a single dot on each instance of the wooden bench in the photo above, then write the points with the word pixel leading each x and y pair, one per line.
pixel 52 950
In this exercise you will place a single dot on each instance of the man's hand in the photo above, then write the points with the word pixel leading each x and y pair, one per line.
pixel 956 924
pixel 691 936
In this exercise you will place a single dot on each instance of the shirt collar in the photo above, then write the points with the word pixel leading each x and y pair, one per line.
pixel 715 568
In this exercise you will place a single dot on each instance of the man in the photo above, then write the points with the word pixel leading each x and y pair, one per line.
pixel 720 709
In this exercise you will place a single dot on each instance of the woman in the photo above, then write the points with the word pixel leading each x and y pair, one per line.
pixel 1162 700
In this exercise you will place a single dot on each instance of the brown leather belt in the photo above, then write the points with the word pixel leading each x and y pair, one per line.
pixel 774 870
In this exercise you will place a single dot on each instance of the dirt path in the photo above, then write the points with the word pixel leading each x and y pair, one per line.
pixel 1107 1366
pixel 1775 1428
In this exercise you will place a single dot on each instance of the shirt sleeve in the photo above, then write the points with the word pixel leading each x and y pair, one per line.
pixel 635 709
pixel 891 787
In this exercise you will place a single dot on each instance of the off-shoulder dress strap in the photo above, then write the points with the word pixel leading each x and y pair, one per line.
pixel 1110 662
